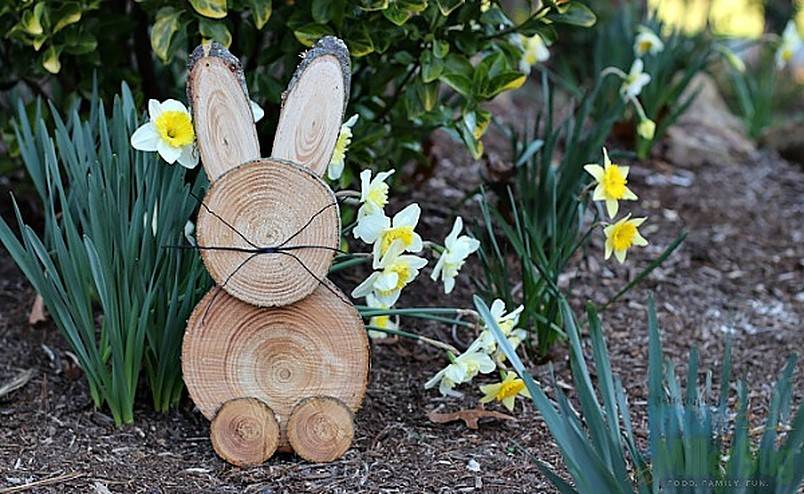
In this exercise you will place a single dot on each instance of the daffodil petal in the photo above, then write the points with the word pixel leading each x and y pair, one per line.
pixel 145 138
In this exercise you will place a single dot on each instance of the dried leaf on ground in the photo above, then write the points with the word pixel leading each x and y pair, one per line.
pixel 37 314
pixel 469 416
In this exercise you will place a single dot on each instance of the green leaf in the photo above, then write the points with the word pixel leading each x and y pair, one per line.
pixel 69 13
pixel 576 14
pixel 261 10
pixel 428 95
pixel 215 30
pixel 432 67
pixel 214 9
pixel 166 25
pixel 80 43
pixel 447 6
pixel 359 42
pixel 324 11
pixel 31 21
pixel 50 59
pixel 310 33
pixel 458 82
pixel 440 48
pixel 397 15
pixel 373 5
pixel 505 82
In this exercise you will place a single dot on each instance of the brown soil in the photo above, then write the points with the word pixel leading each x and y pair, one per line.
pixel 739 274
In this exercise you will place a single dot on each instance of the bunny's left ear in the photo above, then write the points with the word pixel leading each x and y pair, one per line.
pixel 313 106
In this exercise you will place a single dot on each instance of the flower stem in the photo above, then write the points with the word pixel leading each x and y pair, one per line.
pixel 398 332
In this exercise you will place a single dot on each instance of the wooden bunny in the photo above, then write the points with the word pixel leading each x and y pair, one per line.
pixel 275 355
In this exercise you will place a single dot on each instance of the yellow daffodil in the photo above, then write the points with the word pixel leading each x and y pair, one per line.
pixel 169 132
pixel 634 81
pixel 534 51
pixel 791 43
pixel 647 42
pixel 462 370
pixel 256 111
pixel 623 235
pixel 395 271
pixel 371 217
pixel 646 128
pixel 335 168
pixel 505 391
pixel 611 184
pixel 399 229
pixel 456 250
pixel 384 322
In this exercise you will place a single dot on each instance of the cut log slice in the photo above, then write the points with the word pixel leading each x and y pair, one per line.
pixel 315 347
pixel 320 429
pixel 313 106
pixel 245 432
pixel 268 204
pixel 222 117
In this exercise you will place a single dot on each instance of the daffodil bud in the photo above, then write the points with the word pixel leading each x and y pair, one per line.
pixel 646 129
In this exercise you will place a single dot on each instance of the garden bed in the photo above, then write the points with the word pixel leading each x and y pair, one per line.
pixel 738 274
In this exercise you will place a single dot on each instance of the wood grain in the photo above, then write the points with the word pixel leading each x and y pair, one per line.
pixel 313 106
pixel 281 355
pixel 224 124
pixel 268 201
pixel 245 432
pixel 320 429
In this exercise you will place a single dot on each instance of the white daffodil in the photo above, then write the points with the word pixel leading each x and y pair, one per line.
pixel 256 111
pixel 647 42
pixel 399 229
pixel 335 168
pixel 169 132
pixel 189 232
pixel 515 338
pixel 462 370
pixel 506 322
pixel 456 250
pixel 395 272
pixel 791 42
pixel 534 51
pixel 384 322
pixel 635 80
pixel 371 218
pixel 154 219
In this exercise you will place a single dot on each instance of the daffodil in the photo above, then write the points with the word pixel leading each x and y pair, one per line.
pixel 505 391
pixel 623 235
pixel 534 51
pixel 395 271
pixel 462 370
pixel 335 168
pixel 384 321
pixel 399 229
pixel 256 111
pixel 611 184
pixel 507 322
pixel 456 250
pixel 169 132
pixel 647 42
pixel 791 42
pixel 515 338
pixel 634 80
pixel 371 217
pixel 646 128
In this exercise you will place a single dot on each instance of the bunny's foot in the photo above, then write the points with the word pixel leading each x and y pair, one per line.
pixel 320 429
pixel 245 432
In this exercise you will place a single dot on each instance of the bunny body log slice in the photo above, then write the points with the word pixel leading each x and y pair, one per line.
pixel 280 355
pixel 268 231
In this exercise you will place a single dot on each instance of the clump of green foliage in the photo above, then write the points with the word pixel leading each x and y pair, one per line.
pixel 691 447
pixel 419 65
pixel 118 295
pixel 544 215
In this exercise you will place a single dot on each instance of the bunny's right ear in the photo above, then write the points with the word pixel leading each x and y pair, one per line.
pixel 313 106
pixel 222 116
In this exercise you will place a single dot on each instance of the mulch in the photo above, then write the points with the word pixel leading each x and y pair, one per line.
pixel 738 275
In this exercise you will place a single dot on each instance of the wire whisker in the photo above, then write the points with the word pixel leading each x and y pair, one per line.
pixel 304 227
pixel 216 215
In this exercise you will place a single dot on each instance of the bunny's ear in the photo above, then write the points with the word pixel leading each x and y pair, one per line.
pixel 224 124
pixel 313 106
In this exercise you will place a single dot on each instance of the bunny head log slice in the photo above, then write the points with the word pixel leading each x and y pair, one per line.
pixel 268 228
